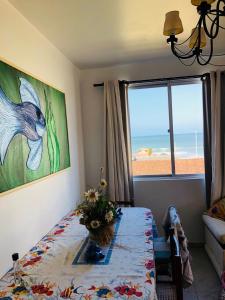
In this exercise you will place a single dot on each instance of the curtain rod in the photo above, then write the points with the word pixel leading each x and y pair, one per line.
pixel 154 80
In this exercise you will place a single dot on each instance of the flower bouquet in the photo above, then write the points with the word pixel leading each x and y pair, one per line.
pixel 98 214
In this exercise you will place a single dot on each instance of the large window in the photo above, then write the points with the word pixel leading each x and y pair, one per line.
pixel 167 128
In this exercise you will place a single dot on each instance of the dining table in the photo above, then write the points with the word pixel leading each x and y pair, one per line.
pixel 57 266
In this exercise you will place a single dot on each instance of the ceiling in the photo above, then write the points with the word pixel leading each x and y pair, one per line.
pixel 98 33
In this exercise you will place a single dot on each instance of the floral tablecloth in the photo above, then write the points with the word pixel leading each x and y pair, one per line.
pixel 48 271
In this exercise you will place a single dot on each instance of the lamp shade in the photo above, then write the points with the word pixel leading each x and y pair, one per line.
pixel 194 38
pixel 198 2
pixel 173 24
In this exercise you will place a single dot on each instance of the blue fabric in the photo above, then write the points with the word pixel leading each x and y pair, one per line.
pixel 80 258
pixel 154 229
pixel 162 255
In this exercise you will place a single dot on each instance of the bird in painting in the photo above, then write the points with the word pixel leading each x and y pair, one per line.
pixel 25 118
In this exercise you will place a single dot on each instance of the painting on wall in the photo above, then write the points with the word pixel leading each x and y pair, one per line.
pixel 33 129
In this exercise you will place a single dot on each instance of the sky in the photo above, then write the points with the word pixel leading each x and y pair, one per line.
pixel 149 110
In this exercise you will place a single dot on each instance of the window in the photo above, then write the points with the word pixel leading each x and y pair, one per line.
pixel 167 128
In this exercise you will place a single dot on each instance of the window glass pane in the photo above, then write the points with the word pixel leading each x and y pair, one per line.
pixel 188 128
pixel 149 119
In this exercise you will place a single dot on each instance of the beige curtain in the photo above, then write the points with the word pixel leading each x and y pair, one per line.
pixel 216 188
pixel 117 158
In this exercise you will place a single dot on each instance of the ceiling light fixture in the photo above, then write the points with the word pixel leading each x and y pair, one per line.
pixel 208 26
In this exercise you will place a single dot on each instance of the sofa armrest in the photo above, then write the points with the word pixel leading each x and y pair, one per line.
pixel 216 227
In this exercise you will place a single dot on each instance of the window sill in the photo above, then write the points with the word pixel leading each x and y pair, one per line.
pixel 169 178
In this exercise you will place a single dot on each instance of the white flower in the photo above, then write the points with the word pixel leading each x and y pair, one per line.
pixel 111 204
pixel 95 224
pixel 92 195
pixel 109 216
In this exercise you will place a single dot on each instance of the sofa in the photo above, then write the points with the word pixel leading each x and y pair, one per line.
pixel 215 242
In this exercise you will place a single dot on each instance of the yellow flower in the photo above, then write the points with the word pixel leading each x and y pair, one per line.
pixel 78 212
pixel 95 224
pixel 103 183
pixel 92 195
pixel 109 216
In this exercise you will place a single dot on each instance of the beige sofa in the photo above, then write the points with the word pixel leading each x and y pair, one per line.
pixel 215 242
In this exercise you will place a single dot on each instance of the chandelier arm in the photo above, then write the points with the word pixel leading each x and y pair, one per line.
pixel 173 48
pixel 199 34
pixel 200 62
pixel 187 65
pixel 218 4
pixel 180 44
pixel 215 22
pixel 185 54
pixel 214 12
pixel 177 49
pixel 218 11
pixel 210 55
pixel 191 50
pixel 212 21
pixel 210 33
pixel 193 53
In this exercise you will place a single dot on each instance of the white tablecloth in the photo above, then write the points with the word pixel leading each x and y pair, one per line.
pixel 50 274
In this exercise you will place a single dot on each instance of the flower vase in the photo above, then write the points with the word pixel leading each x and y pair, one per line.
pixel 102 236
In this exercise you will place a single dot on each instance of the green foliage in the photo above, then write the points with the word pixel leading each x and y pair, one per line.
pixel 52 141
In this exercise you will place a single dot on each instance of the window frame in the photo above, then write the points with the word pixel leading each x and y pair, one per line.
pixel 169 84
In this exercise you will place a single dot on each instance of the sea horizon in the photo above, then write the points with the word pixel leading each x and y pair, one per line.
pixel 163 134
pixel 186 145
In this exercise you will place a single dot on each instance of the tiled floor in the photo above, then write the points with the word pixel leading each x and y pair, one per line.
pixel 206 282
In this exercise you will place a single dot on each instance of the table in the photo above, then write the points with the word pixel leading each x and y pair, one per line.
pixel 49 271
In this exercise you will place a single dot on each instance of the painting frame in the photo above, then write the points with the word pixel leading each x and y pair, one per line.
pixel 51 132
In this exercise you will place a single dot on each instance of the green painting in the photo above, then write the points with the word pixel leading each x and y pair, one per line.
pixel 33 129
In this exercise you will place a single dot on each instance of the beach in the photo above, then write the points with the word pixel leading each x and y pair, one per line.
pixel 163 166
pixel 151 155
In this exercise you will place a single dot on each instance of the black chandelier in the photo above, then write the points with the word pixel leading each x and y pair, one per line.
pixel 208 26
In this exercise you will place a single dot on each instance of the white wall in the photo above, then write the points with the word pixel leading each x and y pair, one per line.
pixel 28 213
pixel 187 195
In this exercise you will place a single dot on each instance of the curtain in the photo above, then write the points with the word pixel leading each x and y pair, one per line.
pixel 223 132
pixel 207 136
pixel 214 135
pixel 117 156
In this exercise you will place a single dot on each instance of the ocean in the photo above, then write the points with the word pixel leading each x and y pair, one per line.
pixel 188 145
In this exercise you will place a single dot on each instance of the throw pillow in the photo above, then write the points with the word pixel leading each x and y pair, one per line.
pixel 218 210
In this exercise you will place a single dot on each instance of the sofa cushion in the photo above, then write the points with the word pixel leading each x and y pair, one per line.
pixel 216 226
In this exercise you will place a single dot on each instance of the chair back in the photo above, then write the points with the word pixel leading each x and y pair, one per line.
pixel 176 264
